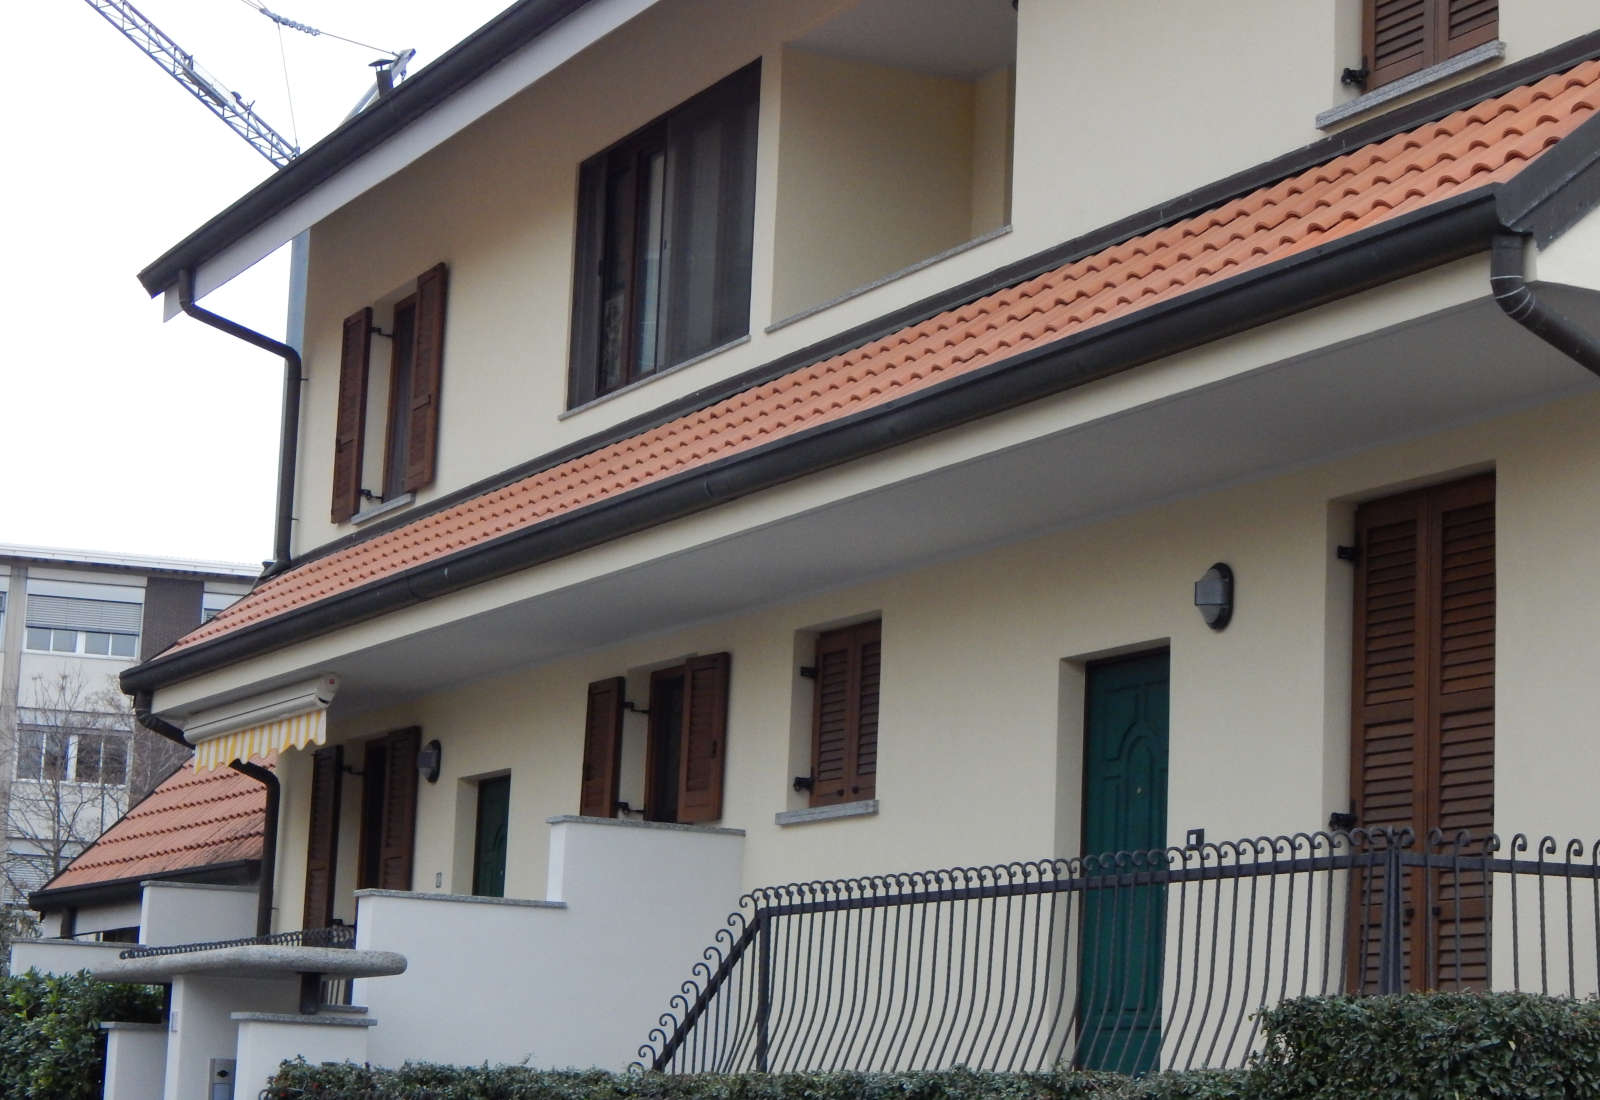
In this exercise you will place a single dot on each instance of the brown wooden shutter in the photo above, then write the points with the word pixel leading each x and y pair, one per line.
pixel 322 849
pixel 350 423
pixel 1468 23
pixel 422 425
pixel 1423 736
pixel 705 737
pixel 399 809
pixel 844 743
pixel 1401 37
pixel 602 748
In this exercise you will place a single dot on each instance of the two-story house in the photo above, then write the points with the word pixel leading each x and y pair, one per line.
pixel 736 444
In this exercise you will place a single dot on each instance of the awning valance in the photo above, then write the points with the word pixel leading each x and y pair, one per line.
pixel 270 737
pixel 290 717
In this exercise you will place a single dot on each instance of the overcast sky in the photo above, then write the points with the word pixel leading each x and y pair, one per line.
pixel 120 432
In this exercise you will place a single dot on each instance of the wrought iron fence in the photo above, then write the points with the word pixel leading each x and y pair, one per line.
pixel 1126 961
pixel 338 935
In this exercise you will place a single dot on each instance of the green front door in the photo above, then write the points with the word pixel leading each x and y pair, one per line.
pixel 489 847
pixel 1124 810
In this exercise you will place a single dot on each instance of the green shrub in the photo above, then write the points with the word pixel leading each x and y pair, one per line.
pixel 1442 1046
pixel 51 1045
pixel 1425 1046
pixel 418 1081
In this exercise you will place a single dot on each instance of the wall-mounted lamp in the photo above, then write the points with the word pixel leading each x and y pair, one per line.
pixel 1213 595
pixel 429 757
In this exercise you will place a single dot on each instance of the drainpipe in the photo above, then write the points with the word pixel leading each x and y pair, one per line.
pixel 269 828
pixel 290 430
pixel 1507 272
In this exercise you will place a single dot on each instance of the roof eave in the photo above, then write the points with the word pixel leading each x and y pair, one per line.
pixel 233 872
pixel 1437 234
pixel 461 65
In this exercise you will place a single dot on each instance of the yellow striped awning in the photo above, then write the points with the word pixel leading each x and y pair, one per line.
pixel 295 732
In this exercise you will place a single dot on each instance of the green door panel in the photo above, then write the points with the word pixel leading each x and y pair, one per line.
pixel 489 848
pixel 1124 810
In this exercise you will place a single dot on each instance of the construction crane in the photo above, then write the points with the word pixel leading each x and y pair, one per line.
pixel 230 107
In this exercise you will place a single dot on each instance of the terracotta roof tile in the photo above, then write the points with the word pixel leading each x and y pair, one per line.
pixel 1485 144
pixel 189 821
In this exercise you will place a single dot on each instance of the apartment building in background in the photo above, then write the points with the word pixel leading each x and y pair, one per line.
pixel 70 622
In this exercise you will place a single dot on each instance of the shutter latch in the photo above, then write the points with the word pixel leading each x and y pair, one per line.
pixel 803 782
pixel 1356 78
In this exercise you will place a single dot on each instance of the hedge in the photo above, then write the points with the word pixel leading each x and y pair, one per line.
pixel 51 1045
pixel 1439 1046
pixel 422 1081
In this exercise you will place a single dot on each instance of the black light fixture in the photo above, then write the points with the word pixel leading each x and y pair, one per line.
pixel 429 757
pixel 1213 595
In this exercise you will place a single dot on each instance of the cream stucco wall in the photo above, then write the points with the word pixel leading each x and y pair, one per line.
pixel 1117 107
pixel 876 171
pixel 981 726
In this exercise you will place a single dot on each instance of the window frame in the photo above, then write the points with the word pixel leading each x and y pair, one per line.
pixel 735 102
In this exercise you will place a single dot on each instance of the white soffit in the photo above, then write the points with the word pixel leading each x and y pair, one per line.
pixel 575 33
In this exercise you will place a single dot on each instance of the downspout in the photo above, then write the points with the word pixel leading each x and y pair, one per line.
pixel 289 432
pixel 1507 280
pixel 269 827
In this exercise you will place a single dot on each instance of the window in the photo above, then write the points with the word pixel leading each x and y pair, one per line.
pixel 42 755
pixel 100 758
pixel 1423 727
pixel 688 733
pixel 665 223
pixel 402 457
pixel 66 624
pixel 1401 37
pixel 844 716
pixel 52 755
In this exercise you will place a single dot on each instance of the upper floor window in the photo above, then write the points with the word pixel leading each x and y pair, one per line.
pixel 65 624
pixel 399 395
pixel 1401 37
pixel 665 224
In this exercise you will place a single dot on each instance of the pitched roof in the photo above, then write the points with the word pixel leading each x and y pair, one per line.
pixel 1465 152
pixel 188 822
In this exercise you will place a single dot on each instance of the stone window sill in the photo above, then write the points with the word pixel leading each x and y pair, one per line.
pixel 1478 55
pixel 394 504
pixel 865 808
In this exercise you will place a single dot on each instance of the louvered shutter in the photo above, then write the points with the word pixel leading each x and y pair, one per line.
pixel 1468 23
pixel 422 421
pixel 1423 735
pixel 602 748
pixel 1401 37
pixel 350 425
pixel 844 744
pixel 322 848
pixel 399 831
pixel 705 736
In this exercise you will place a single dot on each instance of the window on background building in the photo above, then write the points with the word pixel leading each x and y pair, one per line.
pixel 1401 37
pixel 42 755
pixel 397 458
pixel 665 226
pixel 72 624
pixel 100 758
